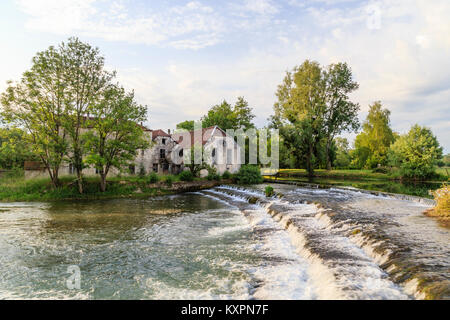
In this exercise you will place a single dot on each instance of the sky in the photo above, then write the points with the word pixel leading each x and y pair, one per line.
pixel 182 57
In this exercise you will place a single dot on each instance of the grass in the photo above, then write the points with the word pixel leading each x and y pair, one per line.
pixel 17 188
pixel 353 174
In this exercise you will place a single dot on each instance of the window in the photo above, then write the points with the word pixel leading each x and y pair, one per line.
pixel 213 153
pixel 224 143
pixel 180 153
pixel 142 152
pixel 131 169
pixel 162 153
pixel 164 141
pixel 71 169
pixel 155 167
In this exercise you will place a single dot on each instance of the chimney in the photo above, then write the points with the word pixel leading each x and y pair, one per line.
pixel 168 131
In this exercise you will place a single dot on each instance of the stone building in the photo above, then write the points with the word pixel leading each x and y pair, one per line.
pixel 166 154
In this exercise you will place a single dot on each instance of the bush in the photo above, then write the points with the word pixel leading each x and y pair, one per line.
pixel 249 174
pixel 212 174
pixel 381 170
pixel 226 175
pixel 186 176
pixel 442 198
pixel 169 180
pixel 269 191
pixel 153 178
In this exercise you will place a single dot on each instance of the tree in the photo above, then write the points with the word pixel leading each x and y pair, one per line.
pixel 340 114
pixel 15 148
pixel 372 144
pixel 115 135
pixel 416 153
pixel 343 158
pixel 301 101
pixel 227 117
pixel 84 78
pixel 186 125
pixel 38 104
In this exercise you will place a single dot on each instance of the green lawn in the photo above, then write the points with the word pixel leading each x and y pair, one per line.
pixel 17 188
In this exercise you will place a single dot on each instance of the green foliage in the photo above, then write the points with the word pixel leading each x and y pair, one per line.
pixel 15 148
pixel 342 158
pixel 212 174
pixel 372 144
pixel 442 198
pixel 186 125
pixel 115 137
pixel 416 153
pixel 227 175
pixel 312 108
pixel 186 176
pixel 227 117
pixel 269 191
pixel 249 174
pixel 169 180
pixel 152 178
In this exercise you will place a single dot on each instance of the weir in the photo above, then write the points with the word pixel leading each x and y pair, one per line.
pixel 358 245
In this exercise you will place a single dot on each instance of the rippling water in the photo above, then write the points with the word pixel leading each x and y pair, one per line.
pixel 216 245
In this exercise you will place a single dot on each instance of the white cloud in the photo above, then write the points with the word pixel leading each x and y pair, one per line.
pixel 197 23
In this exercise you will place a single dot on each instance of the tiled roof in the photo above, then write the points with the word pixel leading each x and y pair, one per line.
pixel 198 137
pixel 159 133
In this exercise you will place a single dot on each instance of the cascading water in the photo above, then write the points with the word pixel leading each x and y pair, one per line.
pixel 366 243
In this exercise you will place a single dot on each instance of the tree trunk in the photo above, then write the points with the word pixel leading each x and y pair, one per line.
pixel 79 181
pixel 328 155
pixel 102 182
pixel 309 165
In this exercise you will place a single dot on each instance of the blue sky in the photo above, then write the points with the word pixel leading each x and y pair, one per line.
pixel 181 57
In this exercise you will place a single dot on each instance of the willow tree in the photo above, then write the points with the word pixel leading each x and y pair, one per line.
pixel 38 104
pixel 114 137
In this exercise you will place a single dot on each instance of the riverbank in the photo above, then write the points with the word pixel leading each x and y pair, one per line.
pixel 19 189
pixel 360 179
pixel 368 175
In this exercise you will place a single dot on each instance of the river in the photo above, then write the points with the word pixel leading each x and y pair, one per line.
pixel 225 243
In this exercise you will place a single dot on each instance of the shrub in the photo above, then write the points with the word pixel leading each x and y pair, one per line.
pixel 212 174
pixel 249 174
pixel 442 198
pixel 380 170
pixel 226 175
pixel 169 180
pixel 186 176
pixel 152 178
pixel 269 191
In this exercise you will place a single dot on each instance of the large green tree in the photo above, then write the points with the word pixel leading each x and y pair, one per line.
pixel 372 144
pixel 301 101
pixel 38 104
pixel 416 153
pixel 114 136
pixel 225 116
pixel 85 78
pixel 341 114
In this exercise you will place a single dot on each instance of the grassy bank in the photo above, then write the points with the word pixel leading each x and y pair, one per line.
pixel 19 189
pixel 441 174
